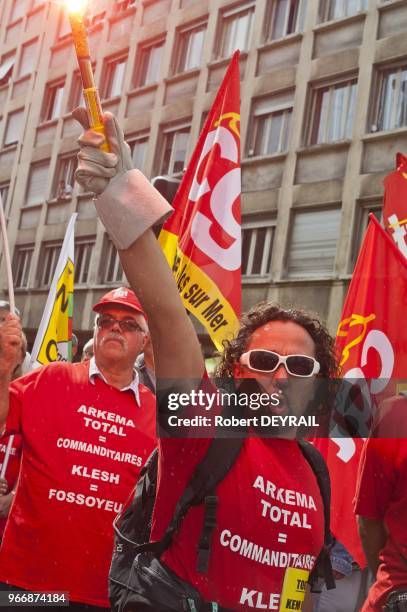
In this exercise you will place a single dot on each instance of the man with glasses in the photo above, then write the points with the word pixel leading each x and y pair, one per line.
pixel 87 430
pixel 269 524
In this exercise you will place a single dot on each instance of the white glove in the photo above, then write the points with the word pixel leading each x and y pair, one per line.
pixel 95 167
pixel 128 204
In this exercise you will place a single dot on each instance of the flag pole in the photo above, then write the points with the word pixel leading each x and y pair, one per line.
pixel 9 274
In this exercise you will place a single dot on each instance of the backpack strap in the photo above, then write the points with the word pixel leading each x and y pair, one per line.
pixel 323 565
pixel 144 492
pixel 218 460
pixel 220 457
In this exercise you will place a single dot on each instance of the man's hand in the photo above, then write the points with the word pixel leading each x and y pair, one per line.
pixel 127 204
pixel 5 503
pixel 10 345
pixel 96 167
pixel 3 486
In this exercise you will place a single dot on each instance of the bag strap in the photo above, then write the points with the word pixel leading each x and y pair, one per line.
pixel 141 492
pixel 218 460
pixel 323 564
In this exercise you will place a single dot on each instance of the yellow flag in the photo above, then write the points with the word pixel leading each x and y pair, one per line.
pixel 54 338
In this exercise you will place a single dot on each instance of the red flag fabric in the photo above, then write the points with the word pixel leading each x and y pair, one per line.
pixel 372 343
pixel 202 238
pixel 395 203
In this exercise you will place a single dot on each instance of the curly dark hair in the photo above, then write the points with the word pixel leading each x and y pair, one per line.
pixel 263 313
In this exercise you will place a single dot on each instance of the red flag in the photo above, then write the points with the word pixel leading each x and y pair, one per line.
pixel 395 203
pixel 202 238
pixel 372 343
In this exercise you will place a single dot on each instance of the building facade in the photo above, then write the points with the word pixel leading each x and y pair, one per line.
pixel 323 113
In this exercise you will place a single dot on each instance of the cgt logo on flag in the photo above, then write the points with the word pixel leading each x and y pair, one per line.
pixel 372 342
pixel 367 359
pixel 57 341
pixel 202 239
pixel 395 204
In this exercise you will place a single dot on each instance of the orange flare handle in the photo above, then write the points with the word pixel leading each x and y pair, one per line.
pixel 94 108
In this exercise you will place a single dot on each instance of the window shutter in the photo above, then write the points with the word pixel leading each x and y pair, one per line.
pixel 28 57
pixel 37 186
pixel 14 127
pixel 19 9
pixel 314 238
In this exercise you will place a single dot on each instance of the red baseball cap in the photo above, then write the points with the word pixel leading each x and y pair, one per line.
pixel 123 296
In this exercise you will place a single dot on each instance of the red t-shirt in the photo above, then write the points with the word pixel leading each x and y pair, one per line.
pixel 381 494
pixel 270 517
pixel 13 467
pixel 84 446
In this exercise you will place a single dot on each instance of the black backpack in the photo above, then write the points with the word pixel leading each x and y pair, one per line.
pixel 132 526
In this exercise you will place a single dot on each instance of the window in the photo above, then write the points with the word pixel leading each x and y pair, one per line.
pixel 271 125
pixel 139 148
pixel 312 248
pixel 6 67
pixel 64 27
pixel 18 10
pixel 22 265
pixel 114 76
pixel 148 65
pixel 4 191
pixel 284 17
pixel 76 93
pixel 64 179
pixel 48 262
pixel 27 59
pixel 123 5
pixel 361 222
pixel 111 270
pixel 83 254
pixel 36 3
pixel 336 9
pixel 332 112
pixel 257 244
pixel 174 150
pixel 189 48
pixel 37 184
pixel 236 25
pixel 95 21
pixel 52 106
pixel 391 110
pixel 14 129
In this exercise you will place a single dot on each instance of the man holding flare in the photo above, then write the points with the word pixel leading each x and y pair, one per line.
pixel 269 523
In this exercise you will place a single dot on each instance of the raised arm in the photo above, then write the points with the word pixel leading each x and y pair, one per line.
pixel 10 353
pixel 128 205
pixel 177 352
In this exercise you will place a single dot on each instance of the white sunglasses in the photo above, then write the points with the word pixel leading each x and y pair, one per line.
pixel 262 360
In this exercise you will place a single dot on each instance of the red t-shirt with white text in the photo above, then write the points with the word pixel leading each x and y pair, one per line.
pixel 84 446
pixel 381 494
pixel 270 517
pixel 13 467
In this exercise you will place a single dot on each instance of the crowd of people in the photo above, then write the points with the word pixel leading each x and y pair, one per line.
pixel 236 523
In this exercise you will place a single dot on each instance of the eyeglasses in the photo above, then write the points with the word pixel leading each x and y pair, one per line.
pixel 262 360
pixel 126 325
